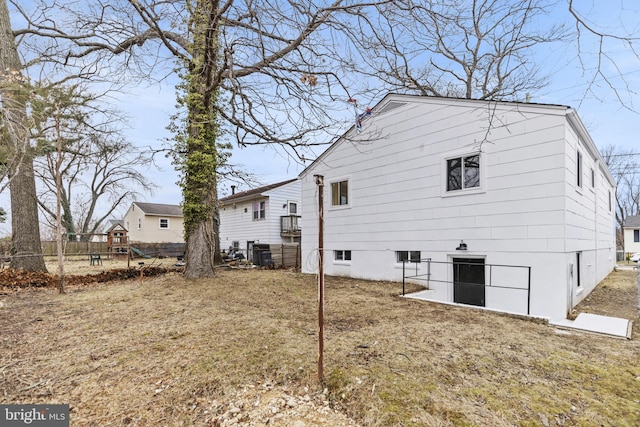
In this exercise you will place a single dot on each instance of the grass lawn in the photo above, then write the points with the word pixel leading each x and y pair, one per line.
pixel 173 352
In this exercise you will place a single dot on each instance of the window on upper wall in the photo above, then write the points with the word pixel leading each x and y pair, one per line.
pixel 411 256
pixel 139 223
pixel 164 222
pixel 342 255
pixel 259 210
pixel 463 172
pixel 578 168
pixel 293 208
pixel 340 193
pixel 636 236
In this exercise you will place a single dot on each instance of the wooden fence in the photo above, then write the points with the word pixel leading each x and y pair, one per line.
pixel 75 248
pixel 286 255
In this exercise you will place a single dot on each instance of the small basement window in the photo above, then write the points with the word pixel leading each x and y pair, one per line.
pixel 410 256
pixel 342 255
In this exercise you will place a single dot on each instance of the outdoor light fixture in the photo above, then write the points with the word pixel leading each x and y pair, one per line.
pixel 462 247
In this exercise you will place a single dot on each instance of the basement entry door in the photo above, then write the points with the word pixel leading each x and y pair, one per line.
pixel 468 281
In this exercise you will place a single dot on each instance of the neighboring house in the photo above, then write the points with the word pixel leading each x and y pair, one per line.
pixel 631 230
pixel 109 225
pixel 154 223
pixel 265 215
pixel 471 188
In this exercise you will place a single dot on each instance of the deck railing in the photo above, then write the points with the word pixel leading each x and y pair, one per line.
pixel 290 225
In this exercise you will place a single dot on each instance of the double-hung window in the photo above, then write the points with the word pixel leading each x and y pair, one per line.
pixel 463 172
pixel 164 222
pixel 340 193
pixel 259 210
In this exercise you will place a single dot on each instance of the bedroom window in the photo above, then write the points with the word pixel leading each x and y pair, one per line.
pixel 342 255
pixel 259 210
pixel 340 193
pixel 463 172
pixel 164 222
pixel 411 256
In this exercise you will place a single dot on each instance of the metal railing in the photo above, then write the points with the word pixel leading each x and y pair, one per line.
pixel 521 277
pixel 290 224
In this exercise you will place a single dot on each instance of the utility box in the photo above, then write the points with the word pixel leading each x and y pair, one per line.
pixel 258 250
pixel 265 258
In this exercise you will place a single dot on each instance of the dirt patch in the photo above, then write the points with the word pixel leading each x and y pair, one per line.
pixel 241 349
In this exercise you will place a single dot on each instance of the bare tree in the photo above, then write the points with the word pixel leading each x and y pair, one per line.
pixel 96 165
pixel 625 169
pixel 16 146
pixel 597 42
pixel 481 49
pixel 253 73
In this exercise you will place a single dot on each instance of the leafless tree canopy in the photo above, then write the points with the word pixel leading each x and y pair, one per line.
pixel 624 165
pixel 607 47
pixel 481 49
pixel 281 64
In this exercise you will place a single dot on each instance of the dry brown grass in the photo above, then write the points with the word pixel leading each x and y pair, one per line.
pixel 172 352
pixel 80 265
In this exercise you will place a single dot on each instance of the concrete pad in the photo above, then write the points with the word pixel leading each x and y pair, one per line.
pixel 597 324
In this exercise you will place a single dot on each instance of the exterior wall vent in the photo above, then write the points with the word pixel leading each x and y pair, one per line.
pixel 391 106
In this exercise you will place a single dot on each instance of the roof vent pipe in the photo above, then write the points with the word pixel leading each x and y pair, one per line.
pixel 233 190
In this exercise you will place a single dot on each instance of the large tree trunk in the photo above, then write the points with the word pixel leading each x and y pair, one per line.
pixel 24 207
pixel 199 251
pixel 201 218
pixel 24 219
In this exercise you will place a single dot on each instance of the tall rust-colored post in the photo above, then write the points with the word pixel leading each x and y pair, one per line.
pixel 320 184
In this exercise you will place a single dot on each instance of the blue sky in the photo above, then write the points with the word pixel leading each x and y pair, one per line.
pixel 610 119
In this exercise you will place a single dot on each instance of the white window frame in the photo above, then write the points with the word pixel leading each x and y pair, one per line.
pixel 262 212
pixel 462 154
pixel 160 223
pixel 412 257
pixel 579 168
pixel 293 203
pixel 340 255
pixel 139 223
pixel 349 193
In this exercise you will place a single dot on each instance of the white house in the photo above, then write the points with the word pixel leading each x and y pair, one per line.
pixel 154 223
pixel 631 231
pixel 264 215
pixel 507 205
